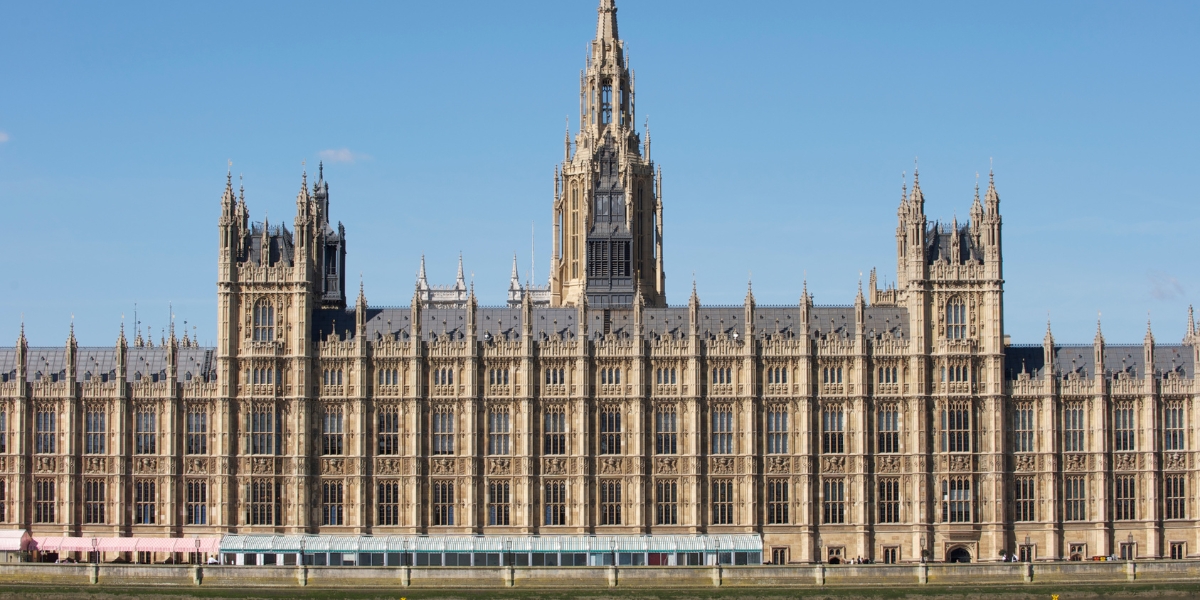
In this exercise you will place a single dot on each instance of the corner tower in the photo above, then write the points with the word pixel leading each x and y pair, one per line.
pixel 607 195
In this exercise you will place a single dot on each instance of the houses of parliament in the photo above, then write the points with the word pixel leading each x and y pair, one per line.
pixel 900 427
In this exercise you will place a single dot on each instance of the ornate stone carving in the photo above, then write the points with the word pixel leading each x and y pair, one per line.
pixel 1175 461
pixel 610 465
pixel 829 464
pixel 499 466
pixel 442 466
pixel 196 466
pixel 261 466
pixel 1025 462
pixel 1075 462
pixel 888 464
pixel 46 464
pixel 721 465
pixel 95 464
pixel 1125 462
pixel 554 466
pixel 145 464
pixel 666 465
pixel 960 463
pixel 388 466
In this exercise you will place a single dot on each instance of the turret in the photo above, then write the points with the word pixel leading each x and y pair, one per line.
pixel 1148 351
pixel 1048 351
pixel 72 352
pixel 360 313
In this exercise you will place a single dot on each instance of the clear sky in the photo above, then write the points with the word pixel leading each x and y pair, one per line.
pixel 782 130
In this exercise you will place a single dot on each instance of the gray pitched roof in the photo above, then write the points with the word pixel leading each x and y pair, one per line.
pixel 1024 359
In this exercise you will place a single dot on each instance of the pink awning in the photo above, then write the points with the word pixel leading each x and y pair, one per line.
pixel 125 544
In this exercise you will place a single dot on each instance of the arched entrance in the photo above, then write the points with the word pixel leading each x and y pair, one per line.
pixel 959 555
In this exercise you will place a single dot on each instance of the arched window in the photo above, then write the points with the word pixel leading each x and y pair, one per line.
pixel 606 104
pixel 574 231
pixel 956 319
pixel 264 321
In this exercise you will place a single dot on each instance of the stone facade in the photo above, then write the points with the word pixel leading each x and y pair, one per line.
pixel 902 423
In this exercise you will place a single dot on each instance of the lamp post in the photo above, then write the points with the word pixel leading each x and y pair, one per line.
pixel 198 561
pixel 612 546
pixel 303 561
pixel 1129 547
pixel 507 553
pixel 95 551
pixel 404 553
pixel 717 545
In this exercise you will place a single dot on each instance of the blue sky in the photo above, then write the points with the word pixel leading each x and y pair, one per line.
pixel 782 130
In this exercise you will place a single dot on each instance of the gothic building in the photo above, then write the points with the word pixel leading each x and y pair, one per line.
pixel 902 425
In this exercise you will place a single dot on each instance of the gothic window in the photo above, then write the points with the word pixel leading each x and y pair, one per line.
pixel 554 430
pixel 1173 427
pixel 956 427
pixel 889 429
pixel 498 430
pixel 889 500
pixel 597 258
pixel 606 104
pixel 610 376
pixel 389 430
pixel 44 435
pixel 777 501
pixel 1123 440
pixel 332 431
pixel 443 501
pixel 666 502
pixel 955 373
pixel 556 376
pixel 497 376
pixel 574 231
pixel 722 429
pixel 389 502
pixel 263 426
pixel 1075 498
pixel 664 376
pixel 831 375
pixel 833 501
pixel 389 377
pixel 443 376
pixel 777 375
pixel 499 498
pixel 777 430
pixel 610 429
pixel 94 431
pixel 3 431
pixel 196 502
pixel 1073 428
pixel 197 429
pixel 610 502
pixel 144 505
pixel 722 375
pixel 555 502
pixel 722 502
pixel 832 429
pixel 956 319
pixel 956 500
pixel 263 507
pixel 93 501
pixel 1126 496
pixel 665 429
pixel 1176 496
pixel 332 498
pixel 264 321
pixel 145 430
pixel 265 376
pixel 620 254
pixel 332 377
pixel 1023 427
pixel 889 375
pixel 1024 496
pixel 43 500
pixel 443 430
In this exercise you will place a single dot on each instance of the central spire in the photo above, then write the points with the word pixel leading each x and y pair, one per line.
pixel 606 24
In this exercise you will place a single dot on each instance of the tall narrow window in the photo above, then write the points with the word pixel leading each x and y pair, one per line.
pixel 1023 427
pixel 1123 428
pixel 93 501
pixel 145 430
pixel 94 431
pixel 777 429
pixel 833 501
pixel 574 226
pixel 389 430
pixel 554 430
pixel 722 429
pixel 722 502
pixel 1126 497
pixel 777 501
pixel 3 431
pixel 1176 496
pixel 443 430
pixel 332 498
pixel 196 502
pixel 606 104
pixel 956 427
pixel 499 502
pixel 1173 427
pixel 555 502
pixel 144 505
pixel 610 502
pixel 956 319
pixel 498 430
pixel 666 502
pixel 1073 428
pixel 263 509
pixel 262 429
pixel 889 500
pixel 956 500
pixel 1075 498
pixel 43 500
pixel 610 429
pixel 1023 499
pixel 889 428
pixel 443 502
pixel 264 321
pixel 44 435
pixel 665 436
pixel 332 431
pixel 389 502
pixel 832 434
pixel 197 429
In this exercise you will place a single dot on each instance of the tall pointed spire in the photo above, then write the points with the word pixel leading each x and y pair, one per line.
pixel 460 282
pixel 422 282
pixel 991 197
pixel 1149 339
pixel 1099 339
pixel 606 24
